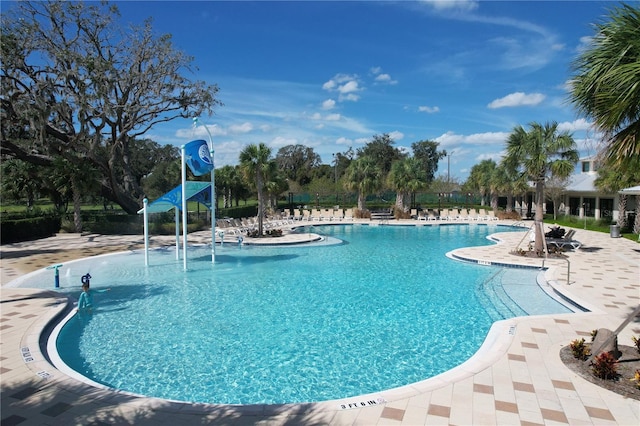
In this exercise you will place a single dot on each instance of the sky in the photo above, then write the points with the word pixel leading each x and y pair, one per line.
pixel 332 74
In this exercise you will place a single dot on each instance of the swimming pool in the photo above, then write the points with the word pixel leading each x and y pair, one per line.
pixel 382 309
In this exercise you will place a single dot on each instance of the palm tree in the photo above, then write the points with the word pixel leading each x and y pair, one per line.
pixel 480 178
pixel 537 153
pixel 364 176
pixel 606 85
pixel 406 176
pixel 254 162
pixel 612 180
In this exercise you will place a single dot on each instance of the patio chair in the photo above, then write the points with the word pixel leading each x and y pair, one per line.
pixel 348 214
pixel 565 242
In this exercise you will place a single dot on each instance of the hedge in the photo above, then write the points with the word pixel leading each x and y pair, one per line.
pixel 33 228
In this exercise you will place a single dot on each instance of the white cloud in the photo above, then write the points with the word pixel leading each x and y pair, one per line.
pixel 459 5
pixel 279 141
pixel 396 135
pixel 345 85
pixel 575 125
pixel 385 79
pixel 240 128
pixel 375 70
pixel 330 85
pixel 428 109
pixel 344 141
pixel 585 44
pixel 328 117
pixel 328 104
pixel 349 97
pixel 488 138
pixel 348 87
pixel 517 99
pixel 201 132
pixel 495 156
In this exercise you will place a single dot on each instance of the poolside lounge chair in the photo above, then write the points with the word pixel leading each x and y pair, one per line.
pixel 473 214
pixel 565 242
pixel 348 214
pixel 463 215
pixel 433 215
pixel 491 215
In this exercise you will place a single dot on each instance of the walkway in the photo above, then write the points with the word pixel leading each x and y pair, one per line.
pixel 517 377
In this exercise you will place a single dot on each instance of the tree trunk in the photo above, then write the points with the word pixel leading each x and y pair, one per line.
pixel 509 207
pixel 622 211
pixel 260 204
pixel 400 201
pixel 77 198
pixel 362 201
pixel 494 201
pixel 539 219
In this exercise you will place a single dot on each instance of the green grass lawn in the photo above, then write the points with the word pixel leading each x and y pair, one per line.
pixel 590 225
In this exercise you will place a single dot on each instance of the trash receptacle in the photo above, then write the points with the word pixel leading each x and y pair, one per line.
pixel 614 231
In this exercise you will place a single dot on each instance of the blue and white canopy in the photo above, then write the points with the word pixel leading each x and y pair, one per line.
pixel 195 191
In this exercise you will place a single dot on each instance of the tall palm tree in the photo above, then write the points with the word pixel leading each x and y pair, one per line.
pixel 606 85
pixel 537 153
pixel 406 176
pixel 364 176
pixel 480 178
pixel 254 162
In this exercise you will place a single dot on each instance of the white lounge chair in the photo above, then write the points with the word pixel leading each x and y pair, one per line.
pixel 348 214
pixel 564 242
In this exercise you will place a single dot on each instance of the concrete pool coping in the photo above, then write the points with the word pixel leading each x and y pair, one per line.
pixel 516 377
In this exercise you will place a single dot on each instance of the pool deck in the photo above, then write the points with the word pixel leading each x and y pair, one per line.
pixel 517 376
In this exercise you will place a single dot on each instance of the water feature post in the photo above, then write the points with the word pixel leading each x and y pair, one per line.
pixel 56 276
pixel 184 209
pixel 213 192
pixel 177 233
pixel 145 201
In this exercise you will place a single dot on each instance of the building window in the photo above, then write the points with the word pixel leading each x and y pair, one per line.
pixel 586 167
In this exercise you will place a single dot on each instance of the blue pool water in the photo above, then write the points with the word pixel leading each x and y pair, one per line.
pixel 383 308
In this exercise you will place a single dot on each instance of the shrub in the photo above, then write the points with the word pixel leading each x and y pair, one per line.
pixel 27 229
pixel 605 366
pixel 514 215
pixel 362 214
pixel 579 349
pixel 594 333
pixel 636 343
pixel 399 214
pixel 636 378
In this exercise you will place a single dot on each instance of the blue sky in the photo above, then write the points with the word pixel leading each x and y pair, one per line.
pixel 331 74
